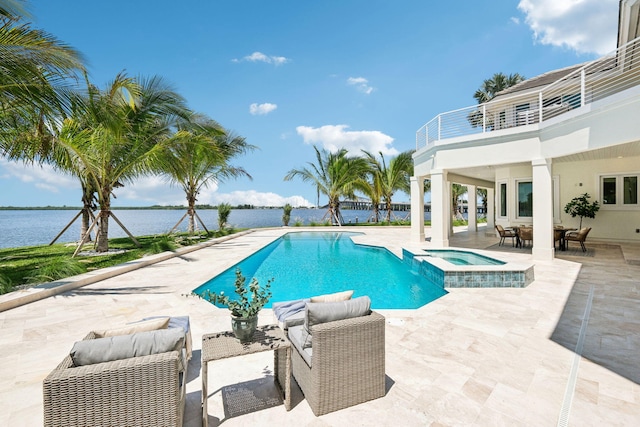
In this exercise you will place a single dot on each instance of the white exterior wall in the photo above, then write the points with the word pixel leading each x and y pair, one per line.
pixel 568 141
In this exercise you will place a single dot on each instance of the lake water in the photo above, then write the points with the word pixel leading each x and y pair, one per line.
pixel 40 227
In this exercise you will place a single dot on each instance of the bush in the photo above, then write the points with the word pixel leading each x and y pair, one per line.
pixel 286 216
pixel 224 209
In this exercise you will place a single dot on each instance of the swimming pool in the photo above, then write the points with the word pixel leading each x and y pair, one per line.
pixel 457 257
pixel 304 264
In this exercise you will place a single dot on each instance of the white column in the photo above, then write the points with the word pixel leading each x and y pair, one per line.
pixel 542 210
pixel 472 207
pixel 417 209
pixel 440 210
pixel 491 210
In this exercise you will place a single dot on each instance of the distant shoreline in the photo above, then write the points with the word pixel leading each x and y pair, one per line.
pixel 115 208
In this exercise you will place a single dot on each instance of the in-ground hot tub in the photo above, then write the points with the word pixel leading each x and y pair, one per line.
pixel 455 268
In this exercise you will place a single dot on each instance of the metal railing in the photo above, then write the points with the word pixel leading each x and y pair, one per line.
pixel 594 81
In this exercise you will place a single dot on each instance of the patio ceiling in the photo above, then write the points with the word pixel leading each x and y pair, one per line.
pixel 487 173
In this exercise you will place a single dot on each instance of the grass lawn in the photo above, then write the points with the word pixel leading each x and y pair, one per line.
pixel 31 265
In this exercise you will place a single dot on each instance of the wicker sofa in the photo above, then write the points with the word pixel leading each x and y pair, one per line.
pixel 347 366
pixel 137 391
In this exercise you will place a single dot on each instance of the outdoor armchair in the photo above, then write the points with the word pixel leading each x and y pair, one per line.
pixel 505 233
pixel 136 391
pixel 525 234
pixel 347 365
pixel 577 236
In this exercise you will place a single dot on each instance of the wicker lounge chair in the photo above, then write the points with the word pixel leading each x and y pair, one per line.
pixel 525 234
pixel 577 236
pixel 348 363
pixel 138 391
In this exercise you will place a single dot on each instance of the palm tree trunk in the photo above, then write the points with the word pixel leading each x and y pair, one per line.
pixel 102 238
pixel 192 225
pixel 84 225
pixel 388 206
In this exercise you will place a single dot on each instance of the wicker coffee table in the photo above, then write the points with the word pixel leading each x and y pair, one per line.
pixel 222 345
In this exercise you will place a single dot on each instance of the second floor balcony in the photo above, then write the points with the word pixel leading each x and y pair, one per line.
pixel 539 99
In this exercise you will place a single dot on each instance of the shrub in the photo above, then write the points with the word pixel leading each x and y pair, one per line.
pixel 580 206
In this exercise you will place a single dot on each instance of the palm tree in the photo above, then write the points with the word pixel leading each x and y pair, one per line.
pixel 118 134
pixel 457 190
pixel 199 156
pixel 334 174
pixel 487 91
pixel 372 188
pixel 396 176
pixel 37 74
pixel 497 83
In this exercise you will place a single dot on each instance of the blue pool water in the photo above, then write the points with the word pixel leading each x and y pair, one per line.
pixel 304 264
pixel 463 257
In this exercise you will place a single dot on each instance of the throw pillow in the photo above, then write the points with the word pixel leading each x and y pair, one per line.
pixel 338 296
pixel 89 352
pixel 132 328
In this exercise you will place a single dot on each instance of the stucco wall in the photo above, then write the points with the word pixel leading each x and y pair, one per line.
pixel 584 177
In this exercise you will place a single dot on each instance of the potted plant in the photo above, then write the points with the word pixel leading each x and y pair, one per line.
pixel 580 206
pixel 245 309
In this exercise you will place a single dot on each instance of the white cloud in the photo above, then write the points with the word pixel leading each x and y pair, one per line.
pixel 255 198
pixel 361 84
pixel 43 177
pixel 586 26
pixel 261 57
pixel 336 137
pixel 150 190
pixel 261 109
pixel 155 191
pixel 515 20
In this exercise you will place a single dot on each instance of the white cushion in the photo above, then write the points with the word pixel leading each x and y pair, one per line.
pixel 132 328
pixel 335 297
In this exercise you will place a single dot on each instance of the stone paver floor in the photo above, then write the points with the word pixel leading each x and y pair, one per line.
pixel 563 351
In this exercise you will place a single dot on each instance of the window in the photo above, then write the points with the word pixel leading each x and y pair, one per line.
pixel 525 198
pixel 630 190
pixel 502 193
pixel 619 191
pixel 609 191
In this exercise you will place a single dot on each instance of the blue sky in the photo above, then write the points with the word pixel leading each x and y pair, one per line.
pixel 287 75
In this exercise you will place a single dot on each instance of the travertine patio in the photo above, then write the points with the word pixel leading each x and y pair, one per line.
pixel 563 351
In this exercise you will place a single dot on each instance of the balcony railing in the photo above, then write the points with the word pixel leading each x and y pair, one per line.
pixel 594 81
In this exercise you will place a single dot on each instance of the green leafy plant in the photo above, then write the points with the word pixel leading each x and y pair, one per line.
pixel 250 300
pixel 286 216
pixel 224 209
pixel 580 206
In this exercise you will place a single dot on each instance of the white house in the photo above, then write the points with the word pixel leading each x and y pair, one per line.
pixel 538 145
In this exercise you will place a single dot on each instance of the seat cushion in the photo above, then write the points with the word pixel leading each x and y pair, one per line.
pixel 89 352
pixel 297 336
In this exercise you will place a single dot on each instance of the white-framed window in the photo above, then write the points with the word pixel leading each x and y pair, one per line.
pixel 502 199
pixel 524 198
pixel 619 191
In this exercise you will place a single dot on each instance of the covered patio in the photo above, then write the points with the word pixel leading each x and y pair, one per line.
pixel 562 350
